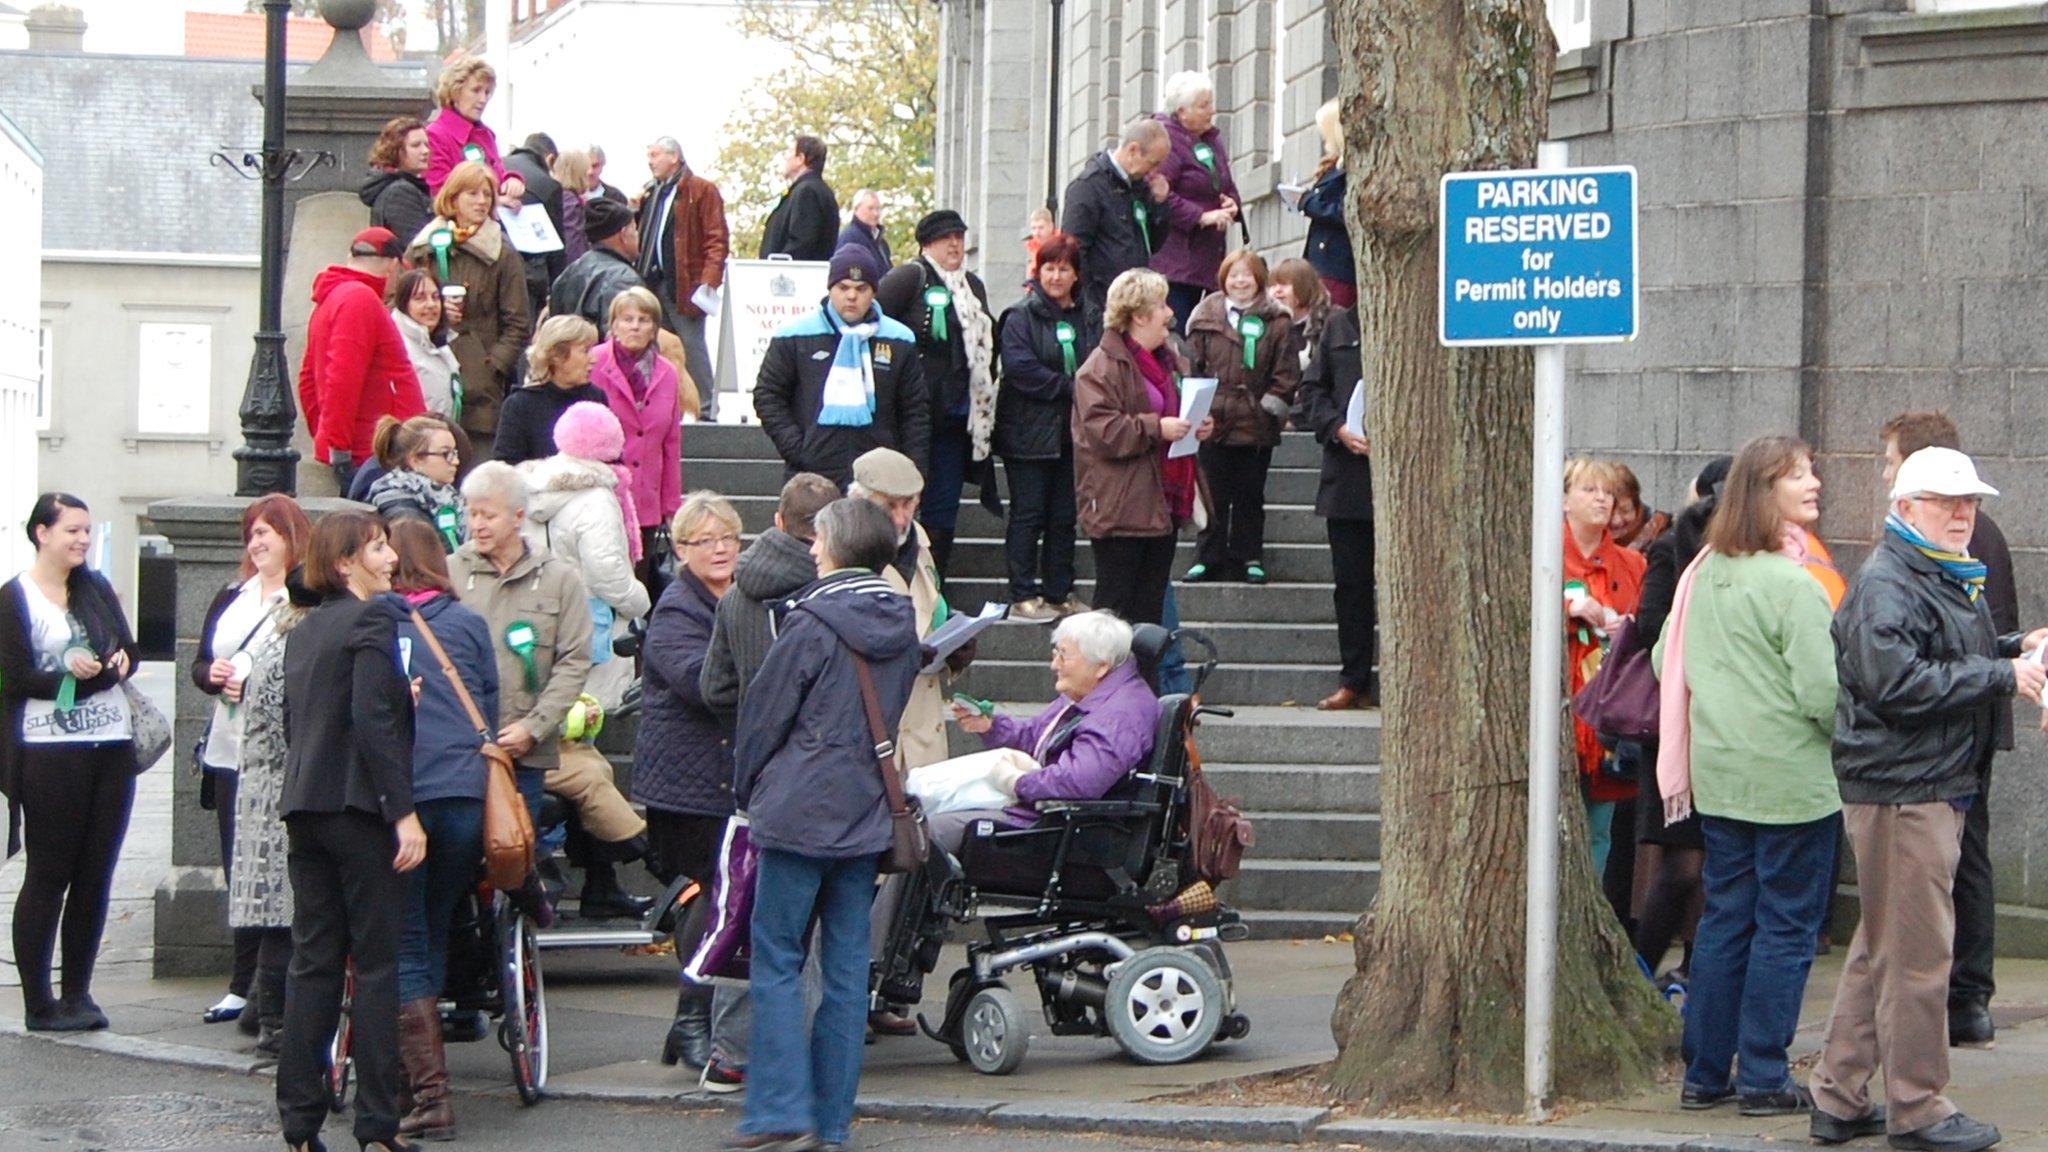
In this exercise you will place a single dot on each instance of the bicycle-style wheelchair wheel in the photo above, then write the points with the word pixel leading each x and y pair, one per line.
pixel 340 1057
pixel 524 1030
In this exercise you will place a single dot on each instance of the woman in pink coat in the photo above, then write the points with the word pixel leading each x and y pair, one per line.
pixel 641 387
pixel 457 132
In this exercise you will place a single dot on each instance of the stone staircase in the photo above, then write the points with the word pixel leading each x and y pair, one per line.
pixel 1309 780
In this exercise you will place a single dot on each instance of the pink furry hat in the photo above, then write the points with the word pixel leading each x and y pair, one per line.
pixel 589 431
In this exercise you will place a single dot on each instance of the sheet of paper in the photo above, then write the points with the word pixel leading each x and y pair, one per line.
pixel 706 298
pixel 1354 415
pixel 954 634
pixel 530 230
pixel 1196 394
pixel 1290 195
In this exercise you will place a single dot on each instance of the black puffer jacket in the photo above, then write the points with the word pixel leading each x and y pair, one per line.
pixel 791 390
pixel 1320 405
pixel 1922 673
pixel 1034 410
pixel 1101 213
pixel 398 201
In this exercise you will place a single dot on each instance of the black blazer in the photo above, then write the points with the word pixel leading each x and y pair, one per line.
pixel 1320 403
pixel 348 711
pixel 106 626
pixel 805 223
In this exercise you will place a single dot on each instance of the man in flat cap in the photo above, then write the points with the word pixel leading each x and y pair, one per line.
pixel 843 379
pixel 587 286
pixel 947 307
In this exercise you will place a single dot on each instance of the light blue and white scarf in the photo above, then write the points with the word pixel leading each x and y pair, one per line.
pixel 849 399
pixel 1960 568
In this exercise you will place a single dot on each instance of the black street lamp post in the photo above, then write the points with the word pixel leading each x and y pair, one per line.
pixel 266 462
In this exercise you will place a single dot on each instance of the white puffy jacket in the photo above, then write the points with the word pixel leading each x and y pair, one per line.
pixel 576 516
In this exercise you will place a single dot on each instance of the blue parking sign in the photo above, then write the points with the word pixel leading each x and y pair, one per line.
pixel 1537 257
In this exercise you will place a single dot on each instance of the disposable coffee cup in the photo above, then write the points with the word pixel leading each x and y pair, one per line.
pixel 453 293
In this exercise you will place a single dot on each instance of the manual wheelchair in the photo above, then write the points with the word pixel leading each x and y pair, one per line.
pixel 1098 900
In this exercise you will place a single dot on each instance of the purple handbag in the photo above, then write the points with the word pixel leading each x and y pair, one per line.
pixel 1621 699
pixel 719 925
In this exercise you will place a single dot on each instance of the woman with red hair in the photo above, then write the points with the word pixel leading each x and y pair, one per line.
pixel 1043 341
pixel 240 623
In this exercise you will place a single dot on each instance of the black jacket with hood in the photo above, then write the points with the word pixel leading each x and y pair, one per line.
pixel 1922 672
pixel 398 201
pixel 1035 408
pixel 774 568
pixel 805 768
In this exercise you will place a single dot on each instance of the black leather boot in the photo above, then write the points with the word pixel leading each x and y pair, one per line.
pixel 689 1037
pixel 603 899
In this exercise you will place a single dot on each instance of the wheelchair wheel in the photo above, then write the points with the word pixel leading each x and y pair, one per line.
pixel 995 1032
pixel 340 1059
pixel 1164 1006
pixel 957 991
pixel 524 1030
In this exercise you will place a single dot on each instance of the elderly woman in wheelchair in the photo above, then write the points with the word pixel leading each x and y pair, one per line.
pixel 1069 839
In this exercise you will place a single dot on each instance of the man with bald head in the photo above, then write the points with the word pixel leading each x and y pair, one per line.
pixel 1116 207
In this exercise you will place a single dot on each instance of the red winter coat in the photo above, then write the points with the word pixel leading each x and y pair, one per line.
pixel 356 369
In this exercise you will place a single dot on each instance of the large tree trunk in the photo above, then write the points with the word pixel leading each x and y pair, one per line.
pixel 1435 1010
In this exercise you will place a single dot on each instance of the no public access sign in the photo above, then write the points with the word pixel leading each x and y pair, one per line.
pixel 1537 257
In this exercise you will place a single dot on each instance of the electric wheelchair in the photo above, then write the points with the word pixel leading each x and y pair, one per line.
pixel 1098 901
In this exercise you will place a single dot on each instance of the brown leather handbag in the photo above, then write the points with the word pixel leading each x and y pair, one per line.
pixel 1218 831
pixel 910 843
pixel 508 826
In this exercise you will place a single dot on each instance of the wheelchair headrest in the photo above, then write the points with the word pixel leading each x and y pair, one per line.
pixel 1148 647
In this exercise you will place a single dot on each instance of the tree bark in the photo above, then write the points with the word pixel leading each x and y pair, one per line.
pixel 1434 1013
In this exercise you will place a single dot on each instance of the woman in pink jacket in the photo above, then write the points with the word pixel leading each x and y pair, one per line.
pixel 457 132
pixel 641 387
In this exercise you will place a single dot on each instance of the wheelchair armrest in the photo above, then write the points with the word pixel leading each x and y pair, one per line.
pixel 1098 808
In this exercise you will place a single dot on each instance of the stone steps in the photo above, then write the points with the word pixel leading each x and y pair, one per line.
pixel 764 477
pixel 748 442
pixel 1234 682
pixel 1310 644
pixel 1294 603
pixel 1285 523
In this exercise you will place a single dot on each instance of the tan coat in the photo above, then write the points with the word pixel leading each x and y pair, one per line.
pixel 921 739
pixel 497 320
pixel 544 591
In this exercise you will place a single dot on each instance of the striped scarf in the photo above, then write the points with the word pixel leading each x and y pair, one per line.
pixel 1958 567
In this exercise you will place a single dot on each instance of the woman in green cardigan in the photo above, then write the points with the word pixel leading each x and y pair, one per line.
pixel 1753 712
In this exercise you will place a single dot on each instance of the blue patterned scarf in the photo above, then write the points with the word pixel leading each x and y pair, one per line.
pixel 1958 567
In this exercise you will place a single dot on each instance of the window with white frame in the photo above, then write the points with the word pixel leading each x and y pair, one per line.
pixel 175 378
pixel 1571 21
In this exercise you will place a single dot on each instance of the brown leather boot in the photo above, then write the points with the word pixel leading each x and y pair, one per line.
pixel 426 1070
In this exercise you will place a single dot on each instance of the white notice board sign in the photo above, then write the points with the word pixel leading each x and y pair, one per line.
pixel 761 296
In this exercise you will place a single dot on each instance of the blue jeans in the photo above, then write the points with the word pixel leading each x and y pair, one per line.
pixel 1767 896
pixel 1173 666
pixel 803 1079
pixel 455 842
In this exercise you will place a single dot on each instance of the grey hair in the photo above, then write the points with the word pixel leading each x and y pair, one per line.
pixel 862 195
pixel 1099 637
pixel 669 145
pixel 497 480
pixel 596 152
pixel 1182 88
pixel 856 534
pixel 1144 132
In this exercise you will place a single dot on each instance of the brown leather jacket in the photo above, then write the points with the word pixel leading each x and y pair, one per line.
pixel 701 239
pixel 1117 485
pixel 1218 351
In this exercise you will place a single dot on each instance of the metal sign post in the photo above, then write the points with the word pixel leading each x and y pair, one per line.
pixel 1547 258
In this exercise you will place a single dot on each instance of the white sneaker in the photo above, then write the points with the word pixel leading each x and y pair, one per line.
pixel 1034 611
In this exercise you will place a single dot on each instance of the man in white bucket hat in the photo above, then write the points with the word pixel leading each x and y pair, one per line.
pixel 1922 671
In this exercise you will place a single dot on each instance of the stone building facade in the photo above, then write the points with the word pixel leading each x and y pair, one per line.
pixel 1844 214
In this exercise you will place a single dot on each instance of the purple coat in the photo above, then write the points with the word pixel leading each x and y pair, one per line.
pixel 1118 723
pixel 1192 254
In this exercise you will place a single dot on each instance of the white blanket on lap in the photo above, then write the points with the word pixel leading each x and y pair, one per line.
pixel 981 780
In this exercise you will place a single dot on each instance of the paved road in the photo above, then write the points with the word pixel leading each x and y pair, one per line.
pixel 55 1098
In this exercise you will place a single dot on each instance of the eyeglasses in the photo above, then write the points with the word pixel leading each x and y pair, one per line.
pixel 727 540
pixel 1952 503
pixel 448 454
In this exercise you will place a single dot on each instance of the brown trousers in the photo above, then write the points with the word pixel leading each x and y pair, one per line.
pixel 1892 1006
pixel 584 779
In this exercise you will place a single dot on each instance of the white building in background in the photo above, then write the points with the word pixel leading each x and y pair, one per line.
pixel 22 365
